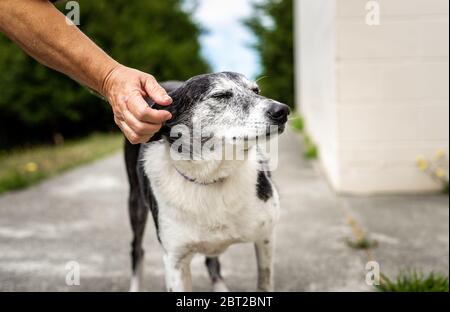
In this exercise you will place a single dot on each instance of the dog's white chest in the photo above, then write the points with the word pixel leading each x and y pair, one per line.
pixel 208 218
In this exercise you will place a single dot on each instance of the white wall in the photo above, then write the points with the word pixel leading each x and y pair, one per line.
pixel 374 97
pixel 316 76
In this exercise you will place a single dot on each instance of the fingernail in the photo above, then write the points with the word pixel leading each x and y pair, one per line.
pixel 168 117
pixel 167 98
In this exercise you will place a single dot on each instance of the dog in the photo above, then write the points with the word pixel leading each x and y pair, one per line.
pixel 204 205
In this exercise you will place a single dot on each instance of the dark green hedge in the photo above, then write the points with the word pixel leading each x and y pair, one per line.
pixel 37 103
pixel 273 23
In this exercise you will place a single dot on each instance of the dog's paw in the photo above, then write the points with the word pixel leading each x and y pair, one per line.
pixel 220 286
pixel 265 289
pixel 135 285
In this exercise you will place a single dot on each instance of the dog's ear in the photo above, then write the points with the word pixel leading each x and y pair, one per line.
pixel 173 108
pixel 183 98
pixel 164 129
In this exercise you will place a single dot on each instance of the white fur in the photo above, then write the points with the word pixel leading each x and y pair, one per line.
pixel 136 279
pixel 220 286
pixel 233 120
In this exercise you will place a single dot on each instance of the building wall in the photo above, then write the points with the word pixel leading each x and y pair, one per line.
pixel 316 76
pixel 374 97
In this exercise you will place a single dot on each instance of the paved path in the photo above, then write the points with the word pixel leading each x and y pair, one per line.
pixel 81 216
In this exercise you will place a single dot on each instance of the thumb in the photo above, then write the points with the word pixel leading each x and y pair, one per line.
pixel 156 92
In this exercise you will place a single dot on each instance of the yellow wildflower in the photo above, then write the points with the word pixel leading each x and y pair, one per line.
pixel 422 163
pixel 440 173
pixel 440 153
pixel 31 167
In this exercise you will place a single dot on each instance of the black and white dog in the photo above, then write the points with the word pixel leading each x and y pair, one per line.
pixel 204 204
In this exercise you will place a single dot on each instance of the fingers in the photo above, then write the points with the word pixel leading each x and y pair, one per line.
pixel 144 113
pixel 140 128
pixel 156 92
pixel 137 120
pixel 130 134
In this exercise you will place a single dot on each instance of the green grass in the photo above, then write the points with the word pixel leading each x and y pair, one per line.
pixel 445 188
pixel 413 281
pixel 311 150
pixel 24 167
pixel 362 243
pixel 297 123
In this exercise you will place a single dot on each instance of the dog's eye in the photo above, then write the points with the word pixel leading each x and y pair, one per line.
pixel 256 90
pixel 222 95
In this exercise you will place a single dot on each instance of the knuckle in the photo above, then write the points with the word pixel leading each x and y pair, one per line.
pixel 156 128
pixel 121 104
pixel 151 79
pixel 125 100
pixel 117 109
pixel 118 122
pixel 153 85
pixel 141 112
pixel 156 118
pixel 139 128
pixel 133 138
pixel 118 116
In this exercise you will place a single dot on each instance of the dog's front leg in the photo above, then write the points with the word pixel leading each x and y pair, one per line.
pixel 264 258
pixel 178 273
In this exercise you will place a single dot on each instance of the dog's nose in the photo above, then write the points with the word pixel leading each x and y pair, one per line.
pixel 278 112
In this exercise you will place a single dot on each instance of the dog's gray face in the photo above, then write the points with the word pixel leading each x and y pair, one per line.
pixel 227 105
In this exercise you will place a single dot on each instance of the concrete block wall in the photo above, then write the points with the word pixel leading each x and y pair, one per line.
pixel 374 97
pixel 316 76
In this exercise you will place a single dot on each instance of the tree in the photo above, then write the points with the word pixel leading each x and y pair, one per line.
pixel 36 103
pixel 272 24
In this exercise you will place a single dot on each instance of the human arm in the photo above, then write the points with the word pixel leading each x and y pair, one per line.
pixel 42 32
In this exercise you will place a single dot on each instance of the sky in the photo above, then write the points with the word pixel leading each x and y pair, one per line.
pixel 226 42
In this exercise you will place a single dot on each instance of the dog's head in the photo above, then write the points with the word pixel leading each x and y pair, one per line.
pixel 224 105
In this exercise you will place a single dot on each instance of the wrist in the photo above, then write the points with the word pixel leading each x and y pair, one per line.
pixel 106 78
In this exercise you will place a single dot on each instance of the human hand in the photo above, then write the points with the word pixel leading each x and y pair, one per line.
pixel 125 89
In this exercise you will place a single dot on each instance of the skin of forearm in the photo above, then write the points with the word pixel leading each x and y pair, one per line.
pixel 41 30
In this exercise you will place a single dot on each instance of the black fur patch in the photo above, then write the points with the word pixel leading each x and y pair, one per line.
pixel 263 187
pixel 185 96
pixel 213 265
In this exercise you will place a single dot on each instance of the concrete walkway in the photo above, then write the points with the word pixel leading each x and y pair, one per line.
pixel 82 216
